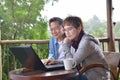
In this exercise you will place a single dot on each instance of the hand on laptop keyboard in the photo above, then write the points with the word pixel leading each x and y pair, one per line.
pixel 50 62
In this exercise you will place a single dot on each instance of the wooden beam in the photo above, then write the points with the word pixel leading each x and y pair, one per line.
pixel 0 63
pixel 111 45
pixel 0 56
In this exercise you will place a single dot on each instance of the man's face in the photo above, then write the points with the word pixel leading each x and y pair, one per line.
pixel 56 29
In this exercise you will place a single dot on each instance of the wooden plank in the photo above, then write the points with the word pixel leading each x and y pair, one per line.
pixel 111 45
pixel 0 63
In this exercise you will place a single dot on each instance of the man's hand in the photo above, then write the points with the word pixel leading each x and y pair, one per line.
pixel 50 62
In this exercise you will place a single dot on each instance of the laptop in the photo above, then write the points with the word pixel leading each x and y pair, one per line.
pixel 31 61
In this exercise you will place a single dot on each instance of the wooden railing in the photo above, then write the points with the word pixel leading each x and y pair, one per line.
pixel 41 47
pixel 117 40
pixel 8 60
pixel 104 44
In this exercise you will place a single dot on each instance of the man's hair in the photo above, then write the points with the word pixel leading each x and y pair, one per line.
pixel 54 19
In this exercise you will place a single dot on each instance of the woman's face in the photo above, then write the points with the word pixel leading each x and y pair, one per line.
pixel 56 30
pixel 71 32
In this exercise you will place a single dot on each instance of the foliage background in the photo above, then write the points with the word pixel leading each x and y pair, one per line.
pixel 21 20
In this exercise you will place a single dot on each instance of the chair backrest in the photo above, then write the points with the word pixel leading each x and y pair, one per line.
pixel 113 60
pixel 91 66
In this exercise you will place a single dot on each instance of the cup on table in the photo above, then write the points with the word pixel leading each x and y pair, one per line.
pixel 69 63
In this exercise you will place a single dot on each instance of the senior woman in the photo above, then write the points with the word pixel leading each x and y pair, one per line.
pixel 85 48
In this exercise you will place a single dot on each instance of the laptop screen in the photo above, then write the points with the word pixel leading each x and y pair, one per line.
pixel 27 57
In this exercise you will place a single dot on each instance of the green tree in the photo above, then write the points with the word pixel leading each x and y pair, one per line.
pixel 117 29
pixel 21 19
pixel 96 27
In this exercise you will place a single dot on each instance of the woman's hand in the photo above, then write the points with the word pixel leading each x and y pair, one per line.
pixel 67 40
pixel 50 62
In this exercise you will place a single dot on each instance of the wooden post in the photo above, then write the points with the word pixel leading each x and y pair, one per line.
pixel 0 63
pixel 0 55
pixel 111 43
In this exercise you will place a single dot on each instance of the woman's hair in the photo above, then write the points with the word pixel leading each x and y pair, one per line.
pixel 74 21
pixel 54 19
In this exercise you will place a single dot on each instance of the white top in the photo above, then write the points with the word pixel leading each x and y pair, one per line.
pixel 60 54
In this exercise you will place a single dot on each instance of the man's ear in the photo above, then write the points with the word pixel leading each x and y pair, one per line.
pixel 62 29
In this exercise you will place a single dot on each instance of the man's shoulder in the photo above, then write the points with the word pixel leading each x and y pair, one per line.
pixel 52 39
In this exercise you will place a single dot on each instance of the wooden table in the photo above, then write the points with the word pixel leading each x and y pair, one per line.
pixel 52 75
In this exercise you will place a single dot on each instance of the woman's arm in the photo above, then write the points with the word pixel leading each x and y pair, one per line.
pixel 86 48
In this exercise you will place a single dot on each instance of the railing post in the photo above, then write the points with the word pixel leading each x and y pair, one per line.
pixel 0 63
pixel 0 55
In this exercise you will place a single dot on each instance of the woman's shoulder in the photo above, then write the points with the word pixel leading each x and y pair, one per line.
pixel 88 37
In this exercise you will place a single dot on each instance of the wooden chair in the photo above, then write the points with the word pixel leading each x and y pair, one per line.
pixel 112 58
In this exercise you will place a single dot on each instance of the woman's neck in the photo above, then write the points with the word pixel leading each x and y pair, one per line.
pixel 79 36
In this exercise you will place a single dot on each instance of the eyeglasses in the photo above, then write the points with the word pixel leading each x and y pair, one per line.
pixel 55 29
pixel 68 29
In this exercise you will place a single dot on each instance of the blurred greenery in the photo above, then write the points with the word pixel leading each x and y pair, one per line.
pixel 21 20
pixel 96 27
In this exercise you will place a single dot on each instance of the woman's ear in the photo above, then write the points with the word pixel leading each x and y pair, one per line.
pixel 79 28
